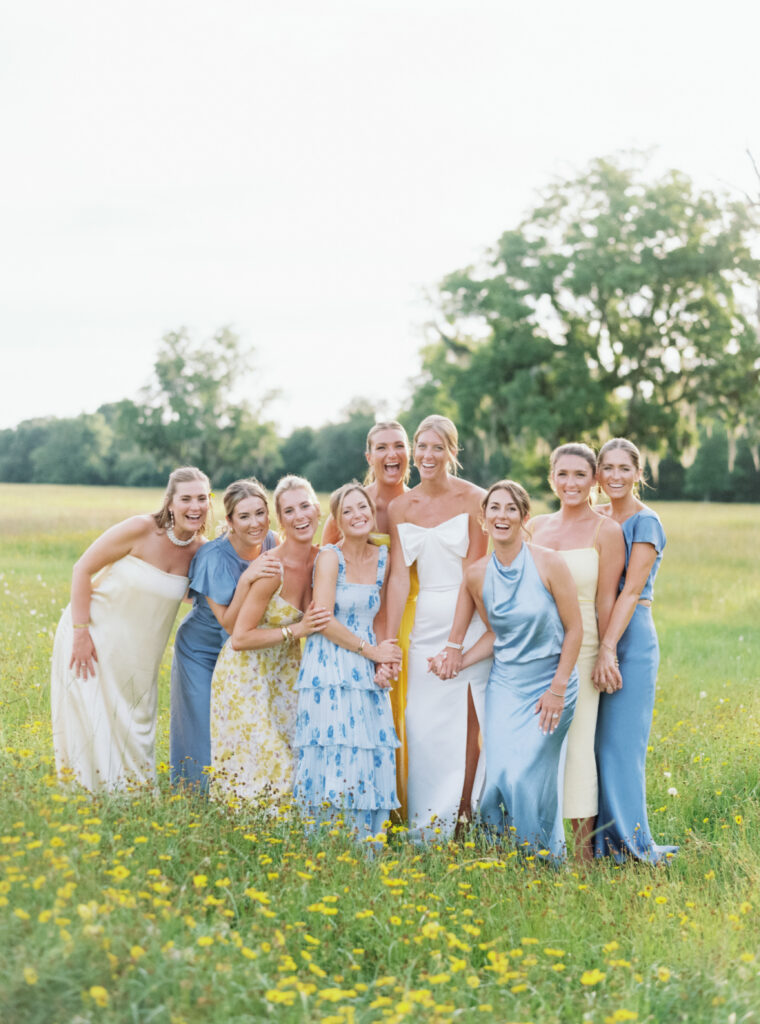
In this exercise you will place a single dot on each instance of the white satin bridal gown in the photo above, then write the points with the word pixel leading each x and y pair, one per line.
pixel 436 709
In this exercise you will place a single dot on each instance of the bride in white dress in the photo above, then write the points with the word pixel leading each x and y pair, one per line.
pixel 111 638
pixel 437 525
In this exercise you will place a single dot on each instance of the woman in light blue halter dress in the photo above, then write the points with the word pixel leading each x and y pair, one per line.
pixel 528 598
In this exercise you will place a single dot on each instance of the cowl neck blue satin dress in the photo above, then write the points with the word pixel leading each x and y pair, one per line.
pixel 521 795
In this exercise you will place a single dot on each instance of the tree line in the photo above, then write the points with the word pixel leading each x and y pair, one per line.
pixel 620 305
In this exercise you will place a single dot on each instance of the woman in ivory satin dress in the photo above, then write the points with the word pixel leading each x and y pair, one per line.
pixel 627 689
pixel 592 546
pixel 436 526
pixel 527 596
pixel 253 689
pixel 111 638
pixel 387 454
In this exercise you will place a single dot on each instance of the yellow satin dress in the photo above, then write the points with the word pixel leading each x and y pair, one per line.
pixel 398 692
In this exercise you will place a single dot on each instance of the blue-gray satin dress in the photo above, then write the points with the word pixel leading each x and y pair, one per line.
pixel 522 764
pixel 214 572
pixel 625 719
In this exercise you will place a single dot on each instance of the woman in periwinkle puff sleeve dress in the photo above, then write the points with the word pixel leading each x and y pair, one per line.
pixel 627 689
pixel 220 576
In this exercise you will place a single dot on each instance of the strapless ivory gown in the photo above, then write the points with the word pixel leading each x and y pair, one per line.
pixel 104 728
pixel 436 709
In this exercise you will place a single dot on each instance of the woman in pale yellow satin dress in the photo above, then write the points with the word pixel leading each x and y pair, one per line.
pixel 387 454
pixel 595 554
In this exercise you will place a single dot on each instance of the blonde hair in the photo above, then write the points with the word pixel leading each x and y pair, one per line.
pixel 573 448
pixel 625 445
pixel 181 475
pixel 339 496
pixel 239 490
pixel 293 483
pixel 447 432
pixel 369 477
pixel 632 451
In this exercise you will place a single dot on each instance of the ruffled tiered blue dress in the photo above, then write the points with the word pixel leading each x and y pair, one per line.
pixel 214 572
pixel 521 795
pixel 625 719
pixel 345 737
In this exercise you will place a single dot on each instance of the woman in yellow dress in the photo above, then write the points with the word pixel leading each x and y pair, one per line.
pixel 253 694
pixel 387 454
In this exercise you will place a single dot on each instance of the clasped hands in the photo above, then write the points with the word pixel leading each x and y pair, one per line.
pixel 606 675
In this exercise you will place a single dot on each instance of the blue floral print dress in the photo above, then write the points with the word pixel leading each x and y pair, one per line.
pixel 345 738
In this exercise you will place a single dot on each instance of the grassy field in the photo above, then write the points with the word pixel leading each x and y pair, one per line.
pixel 160 908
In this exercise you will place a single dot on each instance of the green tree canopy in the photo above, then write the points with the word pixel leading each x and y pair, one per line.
pixel 618 306
pixel 189 413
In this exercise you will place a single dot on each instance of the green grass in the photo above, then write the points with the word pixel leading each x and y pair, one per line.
pixel 158 908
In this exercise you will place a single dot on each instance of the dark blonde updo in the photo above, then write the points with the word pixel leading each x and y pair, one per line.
pixel 339 496
pixel 181 475
pixel 239 490
pixel 516 491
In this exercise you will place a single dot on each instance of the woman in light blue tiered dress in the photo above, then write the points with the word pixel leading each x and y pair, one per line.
pixel 528 598
pixel 626 668
pixel 345 737
pixel 220 576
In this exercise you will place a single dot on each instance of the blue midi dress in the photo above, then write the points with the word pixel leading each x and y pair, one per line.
pixel 214 572
pixel 625 719
pixel 345 738
pixel 521 795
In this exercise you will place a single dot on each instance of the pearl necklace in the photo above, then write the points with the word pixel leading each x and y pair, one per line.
pixel 176 540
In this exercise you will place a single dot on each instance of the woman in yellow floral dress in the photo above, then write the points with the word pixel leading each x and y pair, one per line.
pixel 253 695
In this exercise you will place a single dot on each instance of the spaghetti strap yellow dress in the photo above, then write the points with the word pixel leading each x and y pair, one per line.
pixel 398 692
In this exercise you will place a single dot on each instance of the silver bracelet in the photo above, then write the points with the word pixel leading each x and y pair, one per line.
pixel 457 647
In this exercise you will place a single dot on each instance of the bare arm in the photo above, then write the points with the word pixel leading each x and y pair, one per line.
pixel 325 582
pixel 606 674
pixel 560 583
pixel 266 565
pixel 398 579
pixel 247 635
pixel 611 565
pixel 448 662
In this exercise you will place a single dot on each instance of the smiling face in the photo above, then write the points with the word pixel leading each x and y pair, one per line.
pixel 388 456
pixel 617 473
pixel 249 520
pixel 572 479
pixel 356 518
pixel 298 515
pixel 189 505
pixel 431 456
pixel 502 515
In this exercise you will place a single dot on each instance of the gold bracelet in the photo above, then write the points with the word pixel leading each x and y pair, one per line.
pixel 286 634
pixel 608 646
pixel 362 645
pixel 80 625
pixel 560 695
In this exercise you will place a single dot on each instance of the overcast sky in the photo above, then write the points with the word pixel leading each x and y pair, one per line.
pixel 307 172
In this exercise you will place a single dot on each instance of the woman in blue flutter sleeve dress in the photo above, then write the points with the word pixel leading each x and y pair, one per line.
pixel 220 575
pixel 345 737
pixel 626 668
